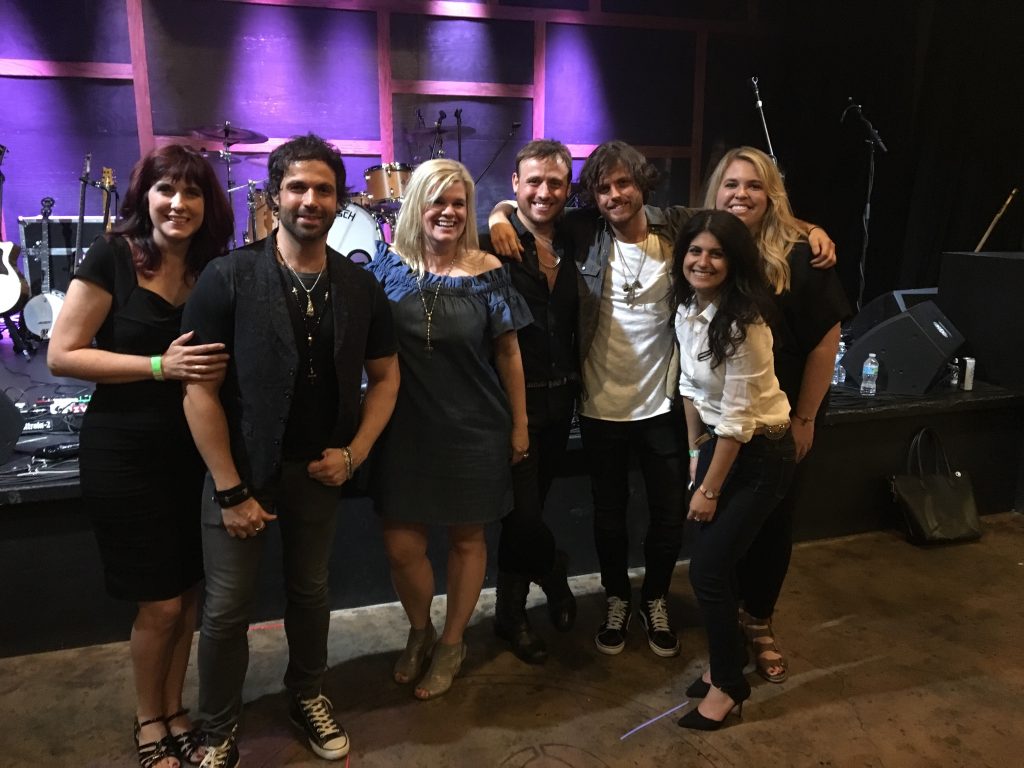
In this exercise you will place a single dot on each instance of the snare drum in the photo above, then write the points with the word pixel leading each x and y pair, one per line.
pixel 385 184
pixel 262 218
pixel 355 233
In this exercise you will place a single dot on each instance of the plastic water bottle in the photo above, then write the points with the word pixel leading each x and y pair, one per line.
pixel 869 376
pixel 839 373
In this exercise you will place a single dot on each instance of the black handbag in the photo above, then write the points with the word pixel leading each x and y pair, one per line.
pixel 938 504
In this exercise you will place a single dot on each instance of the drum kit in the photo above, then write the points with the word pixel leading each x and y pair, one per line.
pixel 361 220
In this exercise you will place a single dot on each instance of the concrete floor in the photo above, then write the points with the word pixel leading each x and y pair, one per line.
pixel 899 656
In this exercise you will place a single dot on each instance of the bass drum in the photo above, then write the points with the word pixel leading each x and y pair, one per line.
pixel 355 233
pixel 40 313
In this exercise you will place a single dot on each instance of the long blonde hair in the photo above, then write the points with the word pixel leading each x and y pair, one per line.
pixel 428 182
pixel 779 230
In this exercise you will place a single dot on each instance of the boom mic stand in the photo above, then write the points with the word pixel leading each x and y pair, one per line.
pixel 759 106
pixel 873 140
pixel 511 133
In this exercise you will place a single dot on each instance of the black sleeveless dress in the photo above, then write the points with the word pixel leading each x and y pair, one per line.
pixel 141 475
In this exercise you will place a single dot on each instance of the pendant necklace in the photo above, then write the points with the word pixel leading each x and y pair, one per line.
pixel 549 246
pixel 309 291
pixel 632 284
pixel 429 313
pixel 311 318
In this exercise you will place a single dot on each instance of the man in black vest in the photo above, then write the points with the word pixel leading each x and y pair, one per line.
pixel 282 432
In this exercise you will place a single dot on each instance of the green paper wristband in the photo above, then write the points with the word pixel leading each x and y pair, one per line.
pixel 157 364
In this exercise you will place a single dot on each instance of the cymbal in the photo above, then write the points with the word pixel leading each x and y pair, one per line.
pixel 227 134
pixel 445 130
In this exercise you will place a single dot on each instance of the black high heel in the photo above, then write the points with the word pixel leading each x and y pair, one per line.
pixel 695 720
pixel 698 688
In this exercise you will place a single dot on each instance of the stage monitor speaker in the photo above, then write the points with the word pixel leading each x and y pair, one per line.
pixel 11 425
pixel 913 349
pixel 980 293
pixel 885 306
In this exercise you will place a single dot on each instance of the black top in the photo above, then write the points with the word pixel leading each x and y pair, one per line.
pixel 548 344
pixel 140 322
pixel 813 304
pixel 239 300
pixel 316 396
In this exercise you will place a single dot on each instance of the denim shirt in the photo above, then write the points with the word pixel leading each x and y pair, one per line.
pixel 592 239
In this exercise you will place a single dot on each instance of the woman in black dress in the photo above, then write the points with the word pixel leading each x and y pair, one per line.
pixel 141 476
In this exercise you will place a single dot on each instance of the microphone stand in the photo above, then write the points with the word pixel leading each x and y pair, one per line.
pixel 511 133
pixel 759 106
pixel 437 145
pixel 872 140
pixel 458 131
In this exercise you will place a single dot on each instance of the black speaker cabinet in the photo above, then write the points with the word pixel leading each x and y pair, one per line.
pixel 885 306
pixel 11 425
pixel 913 349
pixel 980 292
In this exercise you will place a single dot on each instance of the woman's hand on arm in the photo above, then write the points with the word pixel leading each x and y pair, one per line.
pixel 510 370
pixel 70 351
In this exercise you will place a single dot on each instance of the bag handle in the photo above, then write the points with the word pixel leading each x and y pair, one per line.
pixel 939 452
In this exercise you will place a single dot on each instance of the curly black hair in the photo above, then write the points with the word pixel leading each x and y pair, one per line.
pixel 745 296
pixel 606 157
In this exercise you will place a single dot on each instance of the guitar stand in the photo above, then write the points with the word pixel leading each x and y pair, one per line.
pixel 23 345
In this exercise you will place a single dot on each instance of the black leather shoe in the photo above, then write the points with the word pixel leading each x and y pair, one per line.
pixel 561 601
pixel 698 688
pixel 510 622
pixel 698 722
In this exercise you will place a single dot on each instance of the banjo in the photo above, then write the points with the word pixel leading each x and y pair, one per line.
pixel 40 313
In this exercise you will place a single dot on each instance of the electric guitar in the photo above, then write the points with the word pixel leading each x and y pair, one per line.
pixel 14 288
pixel 41 312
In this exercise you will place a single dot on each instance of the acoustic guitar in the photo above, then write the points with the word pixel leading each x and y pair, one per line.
pixel 14 290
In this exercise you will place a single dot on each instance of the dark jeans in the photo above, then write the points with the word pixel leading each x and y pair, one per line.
pixel 657 443
pixel 759 478
pixel 761 572
pixel 527 546
pixel 307 515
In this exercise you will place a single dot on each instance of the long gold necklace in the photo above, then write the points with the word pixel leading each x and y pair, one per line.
pixel 429 313
pixel 309 311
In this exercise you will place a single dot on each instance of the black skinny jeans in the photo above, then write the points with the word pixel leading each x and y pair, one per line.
pixel 526 546
pixel 657 443
pixel 758 480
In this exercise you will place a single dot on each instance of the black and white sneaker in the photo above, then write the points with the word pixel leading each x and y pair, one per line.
pixel 224 755
pixel 316 719
pixel 660 637
pixel 611 637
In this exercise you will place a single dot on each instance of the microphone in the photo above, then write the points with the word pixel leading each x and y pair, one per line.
pixel 441 114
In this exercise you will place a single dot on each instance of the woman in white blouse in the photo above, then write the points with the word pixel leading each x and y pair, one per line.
pixel 737 417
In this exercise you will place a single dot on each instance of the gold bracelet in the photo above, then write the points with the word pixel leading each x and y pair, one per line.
pixel 348 460
pixel 803 419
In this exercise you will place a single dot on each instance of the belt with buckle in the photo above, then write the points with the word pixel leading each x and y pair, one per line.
pixel 550 383
pixel 771 431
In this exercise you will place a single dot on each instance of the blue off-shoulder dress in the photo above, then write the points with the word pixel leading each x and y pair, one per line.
pixel 444 458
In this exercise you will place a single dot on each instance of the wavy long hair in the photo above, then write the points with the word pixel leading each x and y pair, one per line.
pixel 779 231
pixel 743 298
pixel 426 185
pixel 174 162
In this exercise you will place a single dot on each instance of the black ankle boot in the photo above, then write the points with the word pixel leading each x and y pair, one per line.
pixel 561 601
pixel 510 622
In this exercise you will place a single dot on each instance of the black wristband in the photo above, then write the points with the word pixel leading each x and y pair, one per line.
pixel 232 497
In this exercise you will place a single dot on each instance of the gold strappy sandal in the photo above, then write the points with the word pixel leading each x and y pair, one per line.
pixel 771 664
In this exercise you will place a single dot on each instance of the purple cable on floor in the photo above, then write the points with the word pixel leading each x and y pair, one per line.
pixel 626 735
